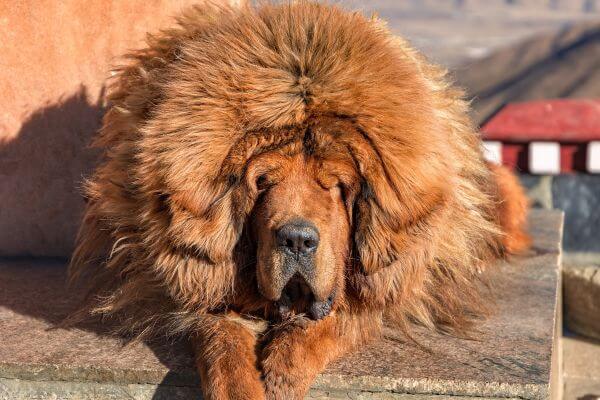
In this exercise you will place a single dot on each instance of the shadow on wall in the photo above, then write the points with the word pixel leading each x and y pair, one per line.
pixel 41 171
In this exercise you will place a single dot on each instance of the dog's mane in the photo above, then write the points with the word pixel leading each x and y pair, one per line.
pixel 167 206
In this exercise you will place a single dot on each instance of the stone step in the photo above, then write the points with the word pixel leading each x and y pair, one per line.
pixel 581 290
pixel 581 368
pixel 511 358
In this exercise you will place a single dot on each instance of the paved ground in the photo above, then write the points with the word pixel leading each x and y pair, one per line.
pixel 581 366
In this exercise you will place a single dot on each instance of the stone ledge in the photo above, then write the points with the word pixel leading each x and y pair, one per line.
pixel 581 368
pixel 510 359
pixel 582 299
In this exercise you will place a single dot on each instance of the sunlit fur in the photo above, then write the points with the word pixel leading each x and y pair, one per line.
pixel 167 238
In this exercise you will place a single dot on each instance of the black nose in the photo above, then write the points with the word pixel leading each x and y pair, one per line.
pixel 300 238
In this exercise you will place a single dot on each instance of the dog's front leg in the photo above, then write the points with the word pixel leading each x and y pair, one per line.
pixel 297 353
pixel 225 348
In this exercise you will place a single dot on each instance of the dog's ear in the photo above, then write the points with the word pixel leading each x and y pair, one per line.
pixel 205 220
pixel 400 189
pixel 382 234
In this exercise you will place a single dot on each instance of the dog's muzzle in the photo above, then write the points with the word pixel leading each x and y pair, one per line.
pixel 298 241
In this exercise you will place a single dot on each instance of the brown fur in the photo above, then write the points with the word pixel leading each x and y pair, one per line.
pixel 512 209
pixel 383 156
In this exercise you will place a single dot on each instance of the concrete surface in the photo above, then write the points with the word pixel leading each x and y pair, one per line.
pixel 581 368
pixel 581 291
pixel 510 358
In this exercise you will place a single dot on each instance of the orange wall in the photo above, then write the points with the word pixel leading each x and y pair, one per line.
pixel 54 59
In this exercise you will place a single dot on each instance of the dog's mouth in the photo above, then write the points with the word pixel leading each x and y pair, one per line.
pixel 297 297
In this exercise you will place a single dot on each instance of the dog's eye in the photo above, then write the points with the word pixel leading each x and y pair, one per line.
pixel 343 191
pixel 262 182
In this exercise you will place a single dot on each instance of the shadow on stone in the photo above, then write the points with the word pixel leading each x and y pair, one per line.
pixel 34 293
pixel 589 397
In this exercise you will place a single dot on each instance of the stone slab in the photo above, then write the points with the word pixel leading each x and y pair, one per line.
pixel 510 358
pixel 581 368
pixel 581 292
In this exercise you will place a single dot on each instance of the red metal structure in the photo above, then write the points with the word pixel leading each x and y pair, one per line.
pixel 546 137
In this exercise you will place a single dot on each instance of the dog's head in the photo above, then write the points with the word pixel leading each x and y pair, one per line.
pixel 301 227
pixel 282 155
pixel 301 223
pixel 301 152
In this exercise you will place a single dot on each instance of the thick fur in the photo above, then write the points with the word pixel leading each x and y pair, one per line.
pixel 163 235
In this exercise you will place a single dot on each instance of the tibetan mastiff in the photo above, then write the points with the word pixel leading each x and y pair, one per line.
pixel 278 182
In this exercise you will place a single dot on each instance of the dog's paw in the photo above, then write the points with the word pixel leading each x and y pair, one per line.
pixel 279 386
pixel 282 369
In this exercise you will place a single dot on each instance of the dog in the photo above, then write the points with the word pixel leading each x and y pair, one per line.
pixel 278 183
